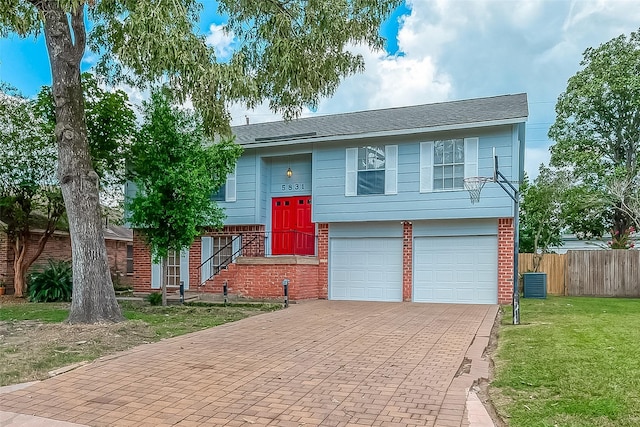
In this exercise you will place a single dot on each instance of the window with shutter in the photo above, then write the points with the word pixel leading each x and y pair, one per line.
pixel 371 170
pixel 444 164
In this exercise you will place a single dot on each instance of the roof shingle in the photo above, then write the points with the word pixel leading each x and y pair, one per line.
pixel 443 114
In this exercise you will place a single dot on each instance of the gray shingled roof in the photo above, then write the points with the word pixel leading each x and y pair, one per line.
pixel 401 119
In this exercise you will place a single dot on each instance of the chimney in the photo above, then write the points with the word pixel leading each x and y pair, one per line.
pixel 247 118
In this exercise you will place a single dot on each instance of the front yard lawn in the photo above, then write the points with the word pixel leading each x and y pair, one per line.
pixel 572 362
pixel 34 340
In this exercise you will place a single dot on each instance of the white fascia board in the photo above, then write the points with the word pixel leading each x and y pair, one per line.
pixel 390 133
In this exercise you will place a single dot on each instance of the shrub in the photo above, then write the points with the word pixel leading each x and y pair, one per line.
pixel 155 298
pixel 54 283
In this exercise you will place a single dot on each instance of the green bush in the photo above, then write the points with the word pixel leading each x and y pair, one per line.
pixel 155 298
pixel 53 284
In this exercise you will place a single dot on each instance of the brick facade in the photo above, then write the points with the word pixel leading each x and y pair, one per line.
pixel 58 247
pixel 255 276
pixel 505 260
pixel 407 261
pixel 252 275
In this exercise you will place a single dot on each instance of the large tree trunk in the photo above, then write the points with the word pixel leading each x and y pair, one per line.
pixel 93 294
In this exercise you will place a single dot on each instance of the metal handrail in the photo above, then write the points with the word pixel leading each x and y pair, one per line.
pixel 229 259
pixel 246 240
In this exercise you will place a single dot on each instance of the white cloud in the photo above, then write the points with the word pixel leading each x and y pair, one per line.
pixel 220 40
pixel 457 49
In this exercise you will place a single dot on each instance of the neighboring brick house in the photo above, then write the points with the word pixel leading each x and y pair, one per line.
pixel 119 242
pixel 365 206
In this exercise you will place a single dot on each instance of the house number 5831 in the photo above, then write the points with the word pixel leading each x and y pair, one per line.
pixel 292 187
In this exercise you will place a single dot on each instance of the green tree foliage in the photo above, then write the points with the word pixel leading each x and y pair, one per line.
pixel 290 52
pixel 110 123
pixel 175 173
pixel 29 194
pixel 586 211
pixel 541 217
pixel 597 128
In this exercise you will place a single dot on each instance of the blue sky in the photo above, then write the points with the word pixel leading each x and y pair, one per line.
pixel 437 50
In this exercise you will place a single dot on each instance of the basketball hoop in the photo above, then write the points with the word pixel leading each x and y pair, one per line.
pixel 474 186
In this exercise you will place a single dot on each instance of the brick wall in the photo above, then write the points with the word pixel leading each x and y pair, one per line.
pixel 407 260
pixel 4 259
pixel 141 264
pixel 58 247
pixel 265 281
pixel 505 260
pixel 260 278
pixel 252 236
pixel 323 259
pixel 194 264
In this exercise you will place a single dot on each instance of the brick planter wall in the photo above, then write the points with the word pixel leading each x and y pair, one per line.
pixel 505 260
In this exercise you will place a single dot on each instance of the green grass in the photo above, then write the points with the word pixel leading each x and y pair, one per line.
pixel 44 312
pixel 167 321
pixel 572 362
pixel 176 320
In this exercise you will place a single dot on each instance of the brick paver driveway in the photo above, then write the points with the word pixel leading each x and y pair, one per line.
pixel 326 363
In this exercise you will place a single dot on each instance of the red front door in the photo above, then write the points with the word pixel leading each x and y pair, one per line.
pixel 292 231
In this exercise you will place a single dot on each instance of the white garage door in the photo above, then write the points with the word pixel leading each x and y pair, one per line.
pixel 368 269
pixel 460 269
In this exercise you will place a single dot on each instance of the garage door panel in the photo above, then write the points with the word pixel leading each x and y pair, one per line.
pixel 366 269
pixel 356 277
pixel 443 294
pixel 460 269
pixel 444 276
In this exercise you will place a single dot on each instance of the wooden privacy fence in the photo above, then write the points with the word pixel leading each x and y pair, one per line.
pixel 605 273
pixel 612 273
pixel 555 265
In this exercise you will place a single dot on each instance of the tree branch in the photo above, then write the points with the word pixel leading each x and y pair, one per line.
pixel 79 32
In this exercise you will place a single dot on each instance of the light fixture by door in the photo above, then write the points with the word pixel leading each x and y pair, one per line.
pixel 289 172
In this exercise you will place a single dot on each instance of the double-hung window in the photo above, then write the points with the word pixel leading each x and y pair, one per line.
pixel 227 192
pixel 371 169
pixel 216 253
pixel 444 164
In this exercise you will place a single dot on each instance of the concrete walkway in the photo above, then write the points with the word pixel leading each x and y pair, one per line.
pixel 325 363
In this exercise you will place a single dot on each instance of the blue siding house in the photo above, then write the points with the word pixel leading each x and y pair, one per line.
pixel 367 206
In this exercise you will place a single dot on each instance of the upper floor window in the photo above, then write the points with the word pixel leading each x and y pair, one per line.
pixel 445 163
pixel 448 164
pixel 227 192
pixel 371 163
pixel 371 170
